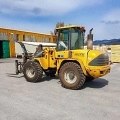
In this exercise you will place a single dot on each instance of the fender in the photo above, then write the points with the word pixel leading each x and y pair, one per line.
pixel 60 62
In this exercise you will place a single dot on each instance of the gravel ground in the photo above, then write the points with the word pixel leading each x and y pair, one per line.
pixel 47 100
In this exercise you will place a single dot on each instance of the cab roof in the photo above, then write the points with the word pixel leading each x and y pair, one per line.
pixel 70 26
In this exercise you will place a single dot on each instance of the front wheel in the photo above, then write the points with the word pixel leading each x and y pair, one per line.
pixel 32 71
pixel 71 75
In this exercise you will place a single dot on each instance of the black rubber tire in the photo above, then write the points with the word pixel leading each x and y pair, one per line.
pixel 80 77
pixel 37 71
pixel 89 79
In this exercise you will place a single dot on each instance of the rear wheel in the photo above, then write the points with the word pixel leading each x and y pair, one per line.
pixel 32 71
pixel 71 75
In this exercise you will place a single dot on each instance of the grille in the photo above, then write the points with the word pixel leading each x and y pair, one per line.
pixel 101 60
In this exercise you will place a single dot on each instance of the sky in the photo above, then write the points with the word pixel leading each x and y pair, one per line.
pixel 42 15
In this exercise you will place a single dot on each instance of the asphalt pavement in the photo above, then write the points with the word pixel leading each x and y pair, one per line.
pixel 48 100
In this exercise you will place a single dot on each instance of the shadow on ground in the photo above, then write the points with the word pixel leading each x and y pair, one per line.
pixel 44 78
pixel 14 75
pixel 97 83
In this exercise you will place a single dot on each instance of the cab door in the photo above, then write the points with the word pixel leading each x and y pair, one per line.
pixel 62 44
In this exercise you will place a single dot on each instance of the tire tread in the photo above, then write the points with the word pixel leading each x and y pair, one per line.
pixel 81 82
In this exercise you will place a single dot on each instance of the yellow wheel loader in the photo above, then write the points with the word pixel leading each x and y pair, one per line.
pixel 68 59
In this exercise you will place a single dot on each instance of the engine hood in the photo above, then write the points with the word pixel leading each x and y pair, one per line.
pixel 97 58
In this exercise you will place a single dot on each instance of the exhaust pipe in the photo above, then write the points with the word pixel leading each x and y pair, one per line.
pixel 90 40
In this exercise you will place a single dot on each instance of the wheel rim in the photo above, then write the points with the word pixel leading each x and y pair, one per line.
pixel 30 72
pixel 70 77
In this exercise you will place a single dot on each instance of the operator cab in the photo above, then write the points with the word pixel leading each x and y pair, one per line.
pixel 70 38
